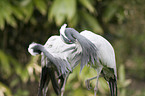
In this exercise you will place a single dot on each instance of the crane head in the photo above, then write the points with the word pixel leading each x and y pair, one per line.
pixel 34 49
pixel 65 34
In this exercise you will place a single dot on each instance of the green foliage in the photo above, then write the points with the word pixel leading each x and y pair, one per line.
pixel 6 14
pixel 62 9
pixel 91 22
pixel 4 90
pixel 88 4
pixel 5 66
pixel 41 6
pixel 76 82
pixel 22 93
pixel 7 62
pixel 10 66
pixel 122 82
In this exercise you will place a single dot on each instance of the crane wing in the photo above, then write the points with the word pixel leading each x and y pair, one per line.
pixel 105 52
pixel 61 51
pixel 87 50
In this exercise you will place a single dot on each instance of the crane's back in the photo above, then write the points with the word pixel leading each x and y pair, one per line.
pixel 105 51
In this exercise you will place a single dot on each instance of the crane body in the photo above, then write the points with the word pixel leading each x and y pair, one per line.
pixel 54 67
pixel 96 51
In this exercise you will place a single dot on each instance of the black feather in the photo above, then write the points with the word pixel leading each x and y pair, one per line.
pixel 113 86
pixel 54 82
pixel 108 74
pixel 44 81
pixel 48 74
pixel 89 50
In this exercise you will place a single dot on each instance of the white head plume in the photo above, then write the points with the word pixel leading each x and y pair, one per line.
pixel 62 30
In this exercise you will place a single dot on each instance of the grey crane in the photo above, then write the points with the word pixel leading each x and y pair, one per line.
pixel 94 50
pixel 58 48
pixel 52 65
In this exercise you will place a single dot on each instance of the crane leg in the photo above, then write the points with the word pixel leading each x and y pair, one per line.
pixel 63 87
pixel 64 83
pixel 45 88
pixel 96 86
pixel 87 82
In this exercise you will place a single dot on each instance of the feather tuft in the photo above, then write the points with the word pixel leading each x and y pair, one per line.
pixel 62 30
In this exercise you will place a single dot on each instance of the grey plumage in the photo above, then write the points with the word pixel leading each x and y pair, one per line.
pixel 52 69
pixel 62 65
pixel 88 53
pixel 48 73
pixel 96 50
pixel 59 49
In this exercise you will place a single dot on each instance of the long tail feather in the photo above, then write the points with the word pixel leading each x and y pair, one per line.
pixel 48 74
pixel 116 86
pixel 44 80
pixel 113 86
pixel 54 82
pixel 110 85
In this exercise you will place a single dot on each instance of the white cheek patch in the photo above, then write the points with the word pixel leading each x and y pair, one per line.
pixel 62 30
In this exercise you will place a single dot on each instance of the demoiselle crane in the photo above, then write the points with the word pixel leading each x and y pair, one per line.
pixel 57 49
pixel 51 63
pixel 94 50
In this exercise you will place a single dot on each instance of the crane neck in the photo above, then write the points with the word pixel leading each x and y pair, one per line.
pixel 88 48
pixel 81 39
pixel 41 48
pixel 72 33
pixel 61 65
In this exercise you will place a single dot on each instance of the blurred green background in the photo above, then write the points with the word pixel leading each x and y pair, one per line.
pixel 122 22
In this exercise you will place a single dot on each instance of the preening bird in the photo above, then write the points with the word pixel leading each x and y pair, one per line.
pixel 94 50
pixel 52 64
pixel 58 48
